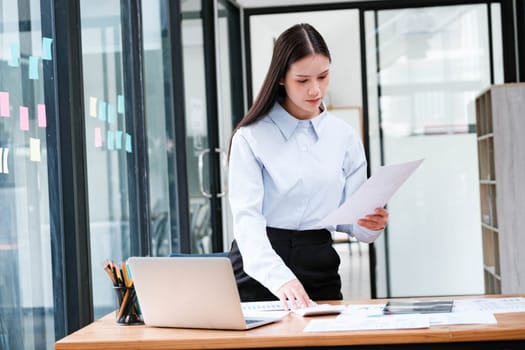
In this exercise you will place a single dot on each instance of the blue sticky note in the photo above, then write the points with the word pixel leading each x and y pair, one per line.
pixel 33 67
pixel 120 104
pixel 102 110
pixel 128 143
pixel 111 113
pixel 118 139
pixel 110 141
pixel 15 55
pixel 46 48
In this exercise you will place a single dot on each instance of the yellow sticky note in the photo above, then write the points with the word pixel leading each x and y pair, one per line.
pixel 34 149
pixel 93 107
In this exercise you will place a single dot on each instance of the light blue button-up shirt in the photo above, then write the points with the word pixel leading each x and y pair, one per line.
pixel 290 173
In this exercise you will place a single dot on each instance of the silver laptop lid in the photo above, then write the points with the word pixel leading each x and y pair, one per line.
pixel 187 292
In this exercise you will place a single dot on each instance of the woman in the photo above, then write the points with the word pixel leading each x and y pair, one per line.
pixel 291 164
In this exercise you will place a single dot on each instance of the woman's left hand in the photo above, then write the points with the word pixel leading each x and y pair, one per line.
pixel 376 221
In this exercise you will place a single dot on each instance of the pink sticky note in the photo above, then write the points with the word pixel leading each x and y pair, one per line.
pixel 98 138
pixel 4 104
pixel 42 121
pixel 24 118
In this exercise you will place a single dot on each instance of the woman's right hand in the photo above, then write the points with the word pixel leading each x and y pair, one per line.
pixel 293 296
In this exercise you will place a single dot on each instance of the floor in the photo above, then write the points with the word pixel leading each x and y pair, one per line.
pixel 354 270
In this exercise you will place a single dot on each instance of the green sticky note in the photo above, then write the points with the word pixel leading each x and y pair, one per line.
pixel 120 104
pixel 118 139
pixel 14 56
pixel 46 48
pixel 110 141
pixel 111 113
pixel 33 67
pixel 128 143
pixel 102 110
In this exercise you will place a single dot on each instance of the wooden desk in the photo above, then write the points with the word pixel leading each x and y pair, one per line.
pixel 509 333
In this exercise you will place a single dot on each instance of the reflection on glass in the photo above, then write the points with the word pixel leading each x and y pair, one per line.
pixel 26 289
pixel 226 113
pixel 497 43
pixel 197 151
pixel 432 63
pixel 433 60
pixel 161 146
pixel 107 143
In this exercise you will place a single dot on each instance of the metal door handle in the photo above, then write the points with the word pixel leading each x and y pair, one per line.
pixel 201 172
pixel 223 157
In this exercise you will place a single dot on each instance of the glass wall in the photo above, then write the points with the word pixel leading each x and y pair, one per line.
pixel 426 66
pixel 197 148
pixel 26 288
pixel 161 143
pixel 229 97
pixel 107 143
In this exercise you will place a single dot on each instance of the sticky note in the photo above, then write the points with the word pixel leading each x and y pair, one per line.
pixel 128 143
pixel 110 141
pixel 118 139
pixel 4 104
pixel 120 104
pixel 98 138
pixel 14 58
pixel 46 48
pixel 4 153
pixel 34 149
pixel 102 110
pixel 33 67
pixel 41 111
pixel 24 118
pixel 111 113
pixel 93 106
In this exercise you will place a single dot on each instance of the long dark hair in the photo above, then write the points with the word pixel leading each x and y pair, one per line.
pixel 293 44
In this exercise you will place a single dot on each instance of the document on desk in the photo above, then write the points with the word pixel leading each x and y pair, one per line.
pixel 453 318
pixel 262 307
pixel 374 193
pixel 349 322
pixel 368 323
pixel 493 305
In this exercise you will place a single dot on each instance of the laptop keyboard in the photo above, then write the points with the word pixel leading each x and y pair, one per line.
pixel 250 321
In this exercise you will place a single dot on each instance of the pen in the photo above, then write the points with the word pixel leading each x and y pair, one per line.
pixel 123 305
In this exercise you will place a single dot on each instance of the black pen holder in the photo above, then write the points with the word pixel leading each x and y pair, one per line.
pixel 127 311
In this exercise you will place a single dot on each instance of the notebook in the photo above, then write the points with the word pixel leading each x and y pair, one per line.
pixel 190 292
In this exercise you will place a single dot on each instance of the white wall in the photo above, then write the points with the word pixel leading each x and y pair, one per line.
pixel 340 30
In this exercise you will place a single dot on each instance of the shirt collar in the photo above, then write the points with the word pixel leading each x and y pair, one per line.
pixel 288 123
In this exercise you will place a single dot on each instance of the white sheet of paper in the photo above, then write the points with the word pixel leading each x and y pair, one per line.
pixel 473 317
pixel 493 305
pixel 374 193
pixel 368 323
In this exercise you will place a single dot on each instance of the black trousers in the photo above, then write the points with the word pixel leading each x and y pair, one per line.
pixel 309 254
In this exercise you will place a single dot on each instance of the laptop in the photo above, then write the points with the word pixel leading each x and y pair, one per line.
pixel 190 292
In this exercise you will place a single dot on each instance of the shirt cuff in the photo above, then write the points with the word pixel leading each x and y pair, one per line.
pixel 362 234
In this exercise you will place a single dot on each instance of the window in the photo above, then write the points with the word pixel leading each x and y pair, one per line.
pixel 26 288
pixel 160 128
pixel 107 143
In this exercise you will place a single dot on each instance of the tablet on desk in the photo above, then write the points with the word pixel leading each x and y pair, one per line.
pixel 418 307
